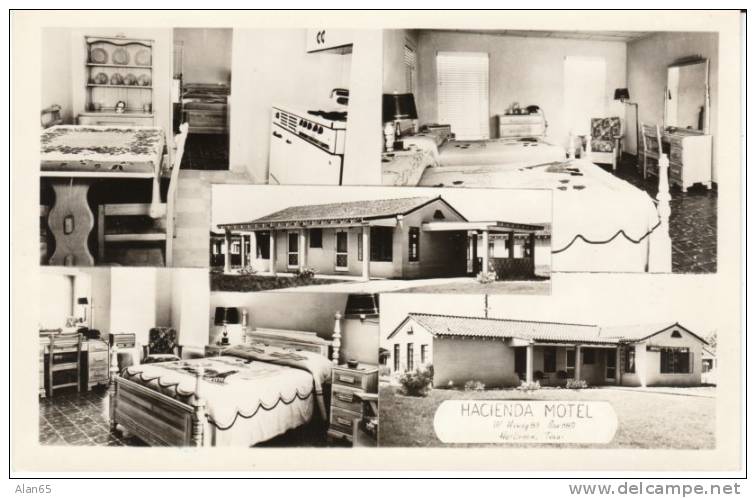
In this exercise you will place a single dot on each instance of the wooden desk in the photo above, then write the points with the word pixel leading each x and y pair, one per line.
pixel 350 388
pixel 73 157
pixel 689 154
pixel 96 357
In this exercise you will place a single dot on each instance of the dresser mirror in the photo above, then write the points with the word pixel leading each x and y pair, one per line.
pixel 686 100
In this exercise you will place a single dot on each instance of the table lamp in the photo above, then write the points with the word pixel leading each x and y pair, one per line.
pixel 83 302
pixel 623 95
pixel 396 107
pixel 225 317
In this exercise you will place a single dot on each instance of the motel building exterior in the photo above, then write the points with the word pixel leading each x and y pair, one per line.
pixel 503 353
pixel 417 237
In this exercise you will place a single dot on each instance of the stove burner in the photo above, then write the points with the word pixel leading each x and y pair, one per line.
pixel 330 115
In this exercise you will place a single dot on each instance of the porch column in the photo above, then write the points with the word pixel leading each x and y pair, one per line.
pixel 511 244
pixel 578 360
pixel 485 251
pixel 272 252
pixel 366 252
pixel 302 249
pixel 529 363
pixel 252 248
pixel 227 247
pixel 243 253
pixel 617 368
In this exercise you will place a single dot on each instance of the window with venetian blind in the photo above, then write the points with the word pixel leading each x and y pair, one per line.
pixel 462 89
pixel 410 68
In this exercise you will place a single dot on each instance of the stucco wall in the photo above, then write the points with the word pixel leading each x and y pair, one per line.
pixel 410 332
pixel 487 361
pixel 653 360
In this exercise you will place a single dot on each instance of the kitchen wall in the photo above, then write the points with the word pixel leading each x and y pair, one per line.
pixel 56 77
pixel 207 54
pixel 161 67
pixel 524 70
pixel 647 61
pixel 271 67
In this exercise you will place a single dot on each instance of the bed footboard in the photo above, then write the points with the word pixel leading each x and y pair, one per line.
pixel 157 419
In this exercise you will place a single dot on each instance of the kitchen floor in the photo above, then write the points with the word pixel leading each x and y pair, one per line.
pixel 81 419
pixel 206 152
pixel 692 224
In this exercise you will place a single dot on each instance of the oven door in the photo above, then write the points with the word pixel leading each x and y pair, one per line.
pixel 294 161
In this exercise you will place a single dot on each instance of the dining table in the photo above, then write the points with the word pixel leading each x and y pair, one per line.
pixel 73 157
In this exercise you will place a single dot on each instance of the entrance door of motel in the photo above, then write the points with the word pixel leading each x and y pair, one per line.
pixel 611 365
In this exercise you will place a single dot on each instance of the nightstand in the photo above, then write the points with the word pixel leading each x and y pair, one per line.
pixel 216 349
pixel 347 386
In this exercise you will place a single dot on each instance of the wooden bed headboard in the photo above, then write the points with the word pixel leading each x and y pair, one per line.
pixel 305 341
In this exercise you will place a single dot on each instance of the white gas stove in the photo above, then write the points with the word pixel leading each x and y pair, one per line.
pixel 306 147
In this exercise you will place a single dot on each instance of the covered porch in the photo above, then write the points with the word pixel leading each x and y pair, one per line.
pixel 504 248
pixel 555 363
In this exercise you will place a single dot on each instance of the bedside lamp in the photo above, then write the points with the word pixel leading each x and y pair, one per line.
pixel 623 95
pixel 396 107
pixel 225 317
pixel 83 302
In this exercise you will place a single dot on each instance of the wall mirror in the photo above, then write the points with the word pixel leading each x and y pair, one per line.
pixel 687 95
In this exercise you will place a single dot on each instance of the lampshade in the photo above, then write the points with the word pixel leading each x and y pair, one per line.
pixel 226 316
pixel 398 106
pixel 621 94
pixel 82 300
pixel 361 304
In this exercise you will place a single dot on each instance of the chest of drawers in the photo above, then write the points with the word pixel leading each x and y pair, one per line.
pixel 528 125
pixel 689 156
pixel 347 386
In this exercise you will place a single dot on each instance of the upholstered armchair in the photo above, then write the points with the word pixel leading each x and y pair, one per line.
pixel 163 346
pixel 603 144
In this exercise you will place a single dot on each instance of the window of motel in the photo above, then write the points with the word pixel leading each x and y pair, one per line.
pixel 589 356
pixel 674 360
pixel 423 353
pixel 414 244
pixel 397 359
pixel 570 362
pixel 630 359
pixel 381 244
pixel 549 359
pixel 410 357
pixel 316 238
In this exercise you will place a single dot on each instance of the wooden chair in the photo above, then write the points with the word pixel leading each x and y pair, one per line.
pixel 51 116
pixel 651 139
pixel 64 355
pixel 603 144
pixel 161 229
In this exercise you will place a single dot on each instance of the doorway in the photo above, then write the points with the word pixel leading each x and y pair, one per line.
pixel 611 365
pixel 200 93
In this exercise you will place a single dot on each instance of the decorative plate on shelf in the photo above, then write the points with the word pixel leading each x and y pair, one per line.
pixel 145 80
pixel 101 79
pixel 120 56
pixel 129 79
pixel 98 56
pixel 143 58
pixel 116 79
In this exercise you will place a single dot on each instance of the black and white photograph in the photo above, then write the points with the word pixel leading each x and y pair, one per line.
pixel 579 112
pixel 363 239
pixel 654 362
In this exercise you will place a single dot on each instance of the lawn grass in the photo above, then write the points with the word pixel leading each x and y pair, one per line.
pixel 527 287
pixel 255 283
pixel 646 419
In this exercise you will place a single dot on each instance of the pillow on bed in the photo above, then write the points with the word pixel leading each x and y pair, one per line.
pixel 423 142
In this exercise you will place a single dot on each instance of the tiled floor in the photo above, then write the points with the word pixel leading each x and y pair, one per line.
pixel 692 224
pixel 82 420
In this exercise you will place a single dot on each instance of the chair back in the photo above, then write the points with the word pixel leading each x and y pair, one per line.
pixel 606 128
pixel 68 341
pixel 163 340
pixel 51 116
pixel 651 140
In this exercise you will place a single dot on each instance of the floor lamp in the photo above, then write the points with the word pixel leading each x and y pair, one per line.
pixel 623 95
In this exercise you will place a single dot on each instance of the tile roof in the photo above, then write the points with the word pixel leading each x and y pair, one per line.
pixel 378 208
pixel 464 326
pixel 446 325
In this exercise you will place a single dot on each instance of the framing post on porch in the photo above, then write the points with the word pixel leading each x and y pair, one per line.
pixel 366 252
pixel 578 360
pixel 227 250
pixel 529 362
pixel 302 249
pixel 252 248
pixel 485 252
pixel 272 243
pixel 243 249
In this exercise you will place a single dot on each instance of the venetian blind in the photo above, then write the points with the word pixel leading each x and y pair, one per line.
pixel 462 80
pixel 410 65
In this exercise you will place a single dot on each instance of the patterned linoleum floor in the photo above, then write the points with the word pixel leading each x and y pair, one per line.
pixel 208 152
pixel 81 419
pixel 692 224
